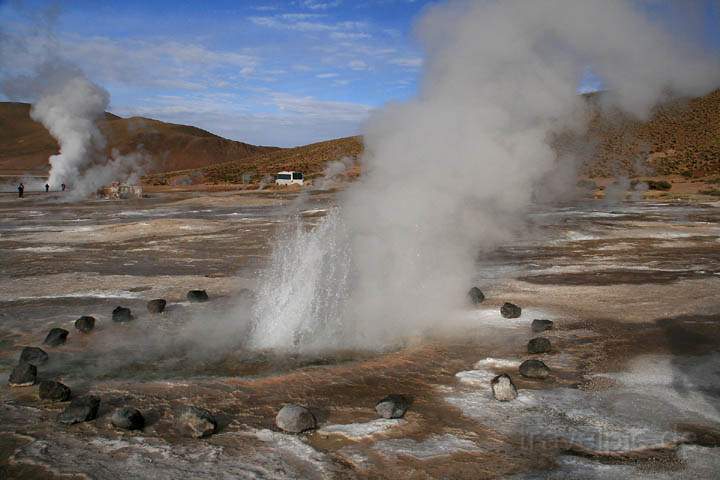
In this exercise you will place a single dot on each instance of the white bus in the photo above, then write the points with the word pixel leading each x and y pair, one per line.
pixel 289 178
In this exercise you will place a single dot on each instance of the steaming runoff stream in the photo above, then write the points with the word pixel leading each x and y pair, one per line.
pixel 452 172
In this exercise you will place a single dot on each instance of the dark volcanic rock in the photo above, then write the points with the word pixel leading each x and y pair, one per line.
pixel 23 375
pixel 55 391
pixel 503 388
pixel 476 296
pixel 122 314
pixel 156 306
pixel 196 422
pixel 85 324
pixel 81 409
pixel 197 296
pixel 34 356
pixel 541 325
pixel 539 345
pixel 295 419
pixel 128 418
pixel 534 369
pixel 393 406
pixel 56 336
pixel 510 310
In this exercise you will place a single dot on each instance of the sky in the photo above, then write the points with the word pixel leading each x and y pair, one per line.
pixel 265 72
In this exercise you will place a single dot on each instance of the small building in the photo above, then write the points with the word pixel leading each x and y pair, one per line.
pixel 120 191
pixel 289 178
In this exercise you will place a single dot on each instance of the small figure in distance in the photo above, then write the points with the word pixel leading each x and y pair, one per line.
pixel 47 188
pixel 21 189
pixel 62 186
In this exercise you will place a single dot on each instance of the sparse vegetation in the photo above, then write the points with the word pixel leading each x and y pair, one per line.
pixel 681 138
pixel 586 184
pixel 714 192
pixel 652 184
pixel 158 180
pixel 658 184
pixel 309 159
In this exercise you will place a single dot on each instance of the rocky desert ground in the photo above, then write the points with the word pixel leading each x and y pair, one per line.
pixel 630 287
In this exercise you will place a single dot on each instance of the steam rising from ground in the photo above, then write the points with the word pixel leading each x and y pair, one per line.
pixel 333 172
pixel 69 105
pixel 451 172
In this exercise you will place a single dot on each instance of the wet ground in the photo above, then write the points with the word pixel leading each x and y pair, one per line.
pixel 634 391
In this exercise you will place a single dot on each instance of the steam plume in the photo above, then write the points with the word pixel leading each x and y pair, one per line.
pixel 69 105
pixel 333 171
pixel 452 171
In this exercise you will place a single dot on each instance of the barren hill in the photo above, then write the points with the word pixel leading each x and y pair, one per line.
pixel 310 159
pixel 681 138
pixel 26 145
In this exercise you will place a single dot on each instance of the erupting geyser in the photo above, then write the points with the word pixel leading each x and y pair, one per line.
pixel 303 294
pixel 453 170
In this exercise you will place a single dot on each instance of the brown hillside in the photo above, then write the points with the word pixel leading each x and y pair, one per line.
pixel 25 145
pixel 310 159
pixel 681 138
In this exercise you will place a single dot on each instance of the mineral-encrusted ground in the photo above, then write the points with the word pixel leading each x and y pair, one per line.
pixel 631 289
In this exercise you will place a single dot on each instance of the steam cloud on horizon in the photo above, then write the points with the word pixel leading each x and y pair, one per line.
pixel 452 171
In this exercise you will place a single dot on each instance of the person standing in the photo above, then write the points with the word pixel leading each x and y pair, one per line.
pixel 63 187
pixel 21 189
pixel 47 188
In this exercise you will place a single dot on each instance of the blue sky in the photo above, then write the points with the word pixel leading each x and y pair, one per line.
pixel 266 72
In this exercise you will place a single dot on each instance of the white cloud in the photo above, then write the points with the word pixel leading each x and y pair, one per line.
pixel 285 120
pixel 358 65
pixel 352 25
pixel 136 62
pixel 162 63
pixel 341 53
pixel 327 75
pixel 318 5
pixel 306 22
pixel 300 16
pixel 298 22
pixel 414 62
pixel 321 109
pixel 349 35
